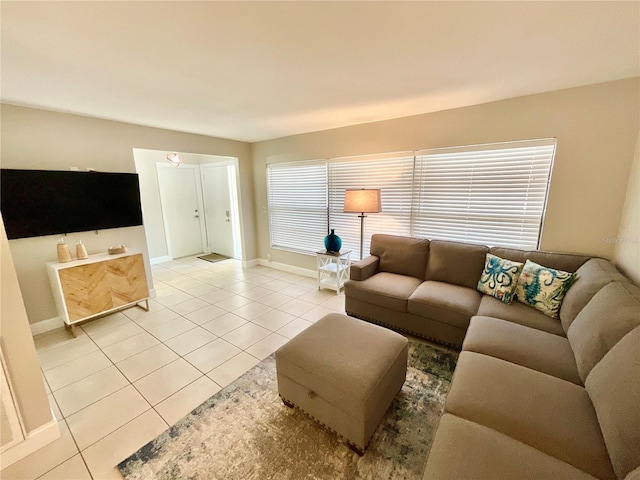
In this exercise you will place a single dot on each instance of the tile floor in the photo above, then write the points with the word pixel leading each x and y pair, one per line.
pixel 130 375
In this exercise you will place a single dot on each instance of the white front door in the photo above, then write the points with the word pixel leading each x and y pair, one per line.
pixel 219 212
pixel 180 196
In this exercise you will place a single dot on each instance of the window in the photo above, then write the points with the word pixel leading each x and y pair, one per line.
pixel 297 195
pixel 393 175
pixel 492 194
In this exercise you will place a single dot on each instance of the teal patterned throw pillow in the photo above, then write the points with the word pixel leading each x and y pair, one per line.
pixel 500 278
pixel 543 288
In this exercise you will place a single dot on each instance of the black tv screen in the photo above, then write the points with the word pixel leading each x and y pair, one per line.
pixel 44 202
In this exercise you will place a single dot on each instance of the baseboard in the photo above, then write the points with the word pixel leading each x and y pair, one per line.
pixel 288 268
pixel 250 263
pixel 37 439
pixel 47 325
pixel 156 260
pixel 44 326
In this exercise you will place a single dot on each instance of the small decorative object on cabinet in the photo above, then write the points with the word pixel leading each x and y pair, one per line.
pixel 81 251
pixel 332 242
pixel 115 250
pixel 64 255
pixel 333 269
pixel 86 289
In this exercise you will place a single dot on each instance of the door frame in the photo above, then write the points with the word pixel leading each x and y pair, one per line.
pixel 167 231
pixel 235 201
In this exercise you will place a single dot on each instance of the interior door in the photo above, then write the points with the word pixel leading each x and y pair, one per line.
pixel 180 199
pixel 218 209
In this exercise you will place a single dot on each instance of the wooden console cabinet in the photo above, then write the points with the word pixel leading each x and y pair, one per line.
pixel 84 289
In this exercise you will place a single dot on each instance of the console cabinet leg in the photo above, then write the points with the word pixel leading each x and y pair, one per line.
pixel 146 305
pixel 72 329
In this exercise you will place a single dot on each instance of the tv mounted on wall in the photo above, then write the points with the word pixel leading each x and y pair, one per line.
pixel 45 202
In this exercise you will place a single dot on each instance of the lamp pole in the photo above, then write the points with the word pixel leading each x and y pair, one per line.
pixel 362 217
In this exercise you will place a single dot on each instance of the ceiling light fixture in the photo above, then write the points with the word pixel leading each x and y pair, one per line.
pixel 175 159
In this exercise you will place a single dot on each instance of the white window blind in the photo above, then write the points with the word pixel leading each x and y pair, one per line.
pixel 494 194
pixel 297 195
pixel 393 175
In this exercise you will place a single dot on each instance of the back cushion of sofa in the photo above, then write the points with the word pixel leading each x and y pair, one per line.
pixel 567 262
pixel 401 255
pixel 509 253
pixel 612 313
pixel 456 262
pixel 614 388
pixel 590 278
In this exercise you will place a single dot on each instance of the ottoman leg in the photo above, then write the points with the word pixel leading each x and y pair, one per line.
pixel 287 403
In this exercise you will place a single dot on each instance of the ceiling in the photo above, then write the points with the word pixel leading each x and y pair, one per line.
pixel 252 71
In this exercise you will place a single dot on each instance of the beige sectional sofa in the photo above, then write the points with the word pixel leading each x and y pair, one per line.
pixel 532 396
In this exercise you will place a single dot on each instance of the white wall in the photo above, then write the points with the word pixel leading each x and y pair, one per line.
pixel 39 139
pixel 146 161
pixel 627 242
pixel 18 348
pixel 596 127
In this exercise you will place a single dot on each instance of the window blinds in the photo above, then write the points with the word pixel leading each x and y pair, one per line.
pixel 393 175
pixel 297 196
pixel 490 194
pixel 493 195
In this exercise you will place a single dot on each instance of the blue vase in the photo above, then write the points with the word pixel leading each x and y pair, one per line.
pixel 332 242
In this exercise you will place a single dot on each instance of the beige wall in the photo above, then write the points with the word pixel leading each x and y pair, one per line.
pixel 17 346
pixel 596 127
pixel 39 139
pixel 627 243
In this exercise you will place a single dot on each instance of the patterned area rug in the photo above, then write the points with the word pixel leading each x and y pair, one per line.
pixel 213 257
pixel 245 432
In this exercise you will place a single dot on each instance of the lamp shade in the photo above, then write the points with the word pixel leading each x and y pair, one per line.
pixel 362 200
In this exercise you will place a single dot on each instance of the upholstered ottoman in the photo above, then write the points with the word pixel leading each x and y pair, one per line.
pixel 344 373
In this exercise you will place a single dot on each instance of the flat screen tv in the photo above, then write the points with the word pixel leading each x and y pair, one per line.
pixel 45 202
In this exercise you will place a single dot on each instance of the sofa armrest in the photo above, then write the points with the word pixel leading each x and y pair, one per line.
pixel 365 268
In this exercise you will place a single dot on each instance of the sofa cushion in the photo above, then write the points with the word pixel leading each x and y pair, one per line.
pixel 519 313
pixel 552 415
pixel 543 288
pixel 455 262
pixel 401 255
pixel 531 348
pixel 512 254
pixel 568 262
pixel 445 303
pixel 614 387
pixel 465 450
pixel 499 278
pixel 388 290
pixel 590 278
pixel 634 475
pixel 612 313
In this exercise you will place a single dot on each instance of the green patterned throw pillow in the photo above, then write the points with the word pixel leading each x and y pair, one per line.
pixel 500 278
pixel 543 288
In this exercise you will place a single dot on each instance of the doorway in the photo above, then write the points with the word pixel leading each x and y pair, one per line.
pixel 181 200
pixel 191 209
pixel 220 199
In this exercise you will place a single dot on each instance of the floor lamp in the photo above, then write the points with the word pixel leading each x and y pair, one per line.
pixel 362 201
